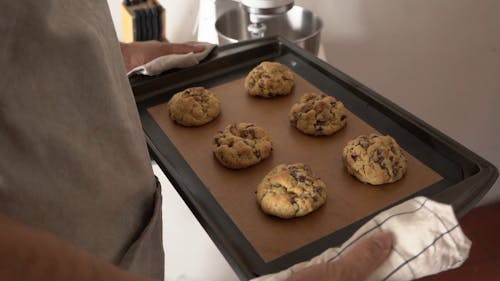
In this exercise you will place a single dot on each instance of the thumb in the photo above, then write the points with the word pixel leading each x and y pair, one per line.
pixel 362 259
pixel 355 265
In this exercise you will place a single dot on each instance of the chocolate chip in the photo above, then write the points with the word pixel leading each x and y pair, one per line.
pixel 342 118
pixel 252 133
pixel 378 158
pixel 318 189
pixel 395 170
pixel 302 178
pixel 354 157
pixel 257 153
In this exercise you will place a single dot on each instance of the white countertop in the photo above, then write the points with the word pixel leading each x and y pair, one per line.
pixel 190 254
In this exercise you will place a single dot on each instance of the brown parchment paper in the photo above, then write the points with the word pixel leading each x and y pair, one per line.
pixel 348 199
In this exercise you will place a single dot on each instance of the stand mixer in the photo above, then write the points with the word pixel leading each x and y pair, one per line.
pixel 261 10
pixel 240 20
pixel 267 7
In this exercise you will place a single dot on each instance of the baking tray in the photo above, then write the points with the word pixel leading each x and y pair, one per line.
pixel 463 178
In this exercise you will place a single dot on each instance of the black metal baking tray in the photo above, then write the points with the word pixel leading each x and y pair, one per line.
pixel 466 176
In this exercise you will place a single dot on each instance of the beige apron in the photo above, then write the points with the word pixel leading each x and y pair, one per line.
pixel 73 160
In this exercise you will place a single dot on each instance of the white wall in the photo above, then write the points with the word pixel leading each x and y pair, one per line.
pixel 438 59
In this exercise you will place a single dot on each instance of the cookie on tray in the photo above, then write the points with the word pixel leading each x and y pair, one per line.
pixel 318 114
pixel 269 79
pixel 194 107
pixel 290 191
pixel 241 145
pixel 374 159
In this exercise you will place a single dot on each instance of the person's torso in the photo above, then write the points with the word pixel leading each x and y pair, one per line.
pixel 73 159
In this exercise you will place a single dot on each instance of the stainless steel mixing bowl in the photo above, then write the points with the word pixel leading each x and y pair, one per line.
pixel 298 25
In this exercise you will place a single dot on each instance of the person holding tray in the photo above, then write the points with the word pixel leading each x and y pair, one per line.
pixel 78 198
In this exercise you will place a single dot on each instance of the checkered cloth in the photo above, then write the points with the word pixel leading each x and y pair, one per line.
pixel 427 240
pixel 164 63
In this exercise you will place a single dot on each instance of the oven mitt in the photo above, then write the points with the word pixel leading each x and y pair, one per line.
pixel 427 240
pixel 164 63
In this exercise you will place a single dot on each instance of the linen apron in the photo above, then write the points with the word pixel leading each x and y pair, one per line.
pixel 73 159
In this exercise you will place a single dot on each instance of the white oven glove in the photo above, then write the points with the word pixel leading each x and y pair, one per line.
pixel 427 240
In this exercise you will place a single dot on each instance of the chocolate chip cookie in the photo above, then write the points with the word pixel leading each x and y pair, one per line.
pixel 290 191
pixel 269 79
pixel 318 114
pixel 241 145
pixel 194 107
pixel 374 159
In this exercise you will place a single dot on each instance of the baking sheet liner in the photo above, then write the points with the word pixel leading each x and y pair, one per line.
pixel 348 199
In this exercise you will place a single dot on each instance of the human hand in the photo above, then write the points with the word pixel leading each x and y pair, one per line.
pixel 139 53
pixel 355 265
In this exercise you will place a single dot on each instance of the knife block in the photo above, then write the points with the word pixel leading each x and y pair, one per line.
pixel 142 20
